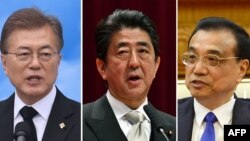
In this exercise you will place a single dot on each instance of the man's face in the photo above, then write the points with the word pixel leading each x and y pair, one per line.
pixel 33 78
pixel 214 83
pixel 130 66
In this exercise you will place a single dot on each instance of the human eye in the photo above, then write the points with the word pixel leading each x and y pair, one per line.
pixel 192 58
pixel 45 55
pixel 122 53
pixel 212 59
pixel 143 51
pixel 23 54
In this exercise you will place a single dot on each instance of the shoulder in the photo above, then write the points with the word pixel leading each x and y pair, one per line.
pixel 242 102
pixel 64 103
pixel 64 99
pixel 7 103
pixel 167 117
pixel 160 117
pixel 185 105
pixel 185 101
pixel 98 107
pixel 88 109
pixel 74 104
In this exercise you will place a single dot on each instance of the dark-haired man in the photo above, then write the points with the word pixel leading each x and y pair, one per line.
pixel 127 59
pixel 216 62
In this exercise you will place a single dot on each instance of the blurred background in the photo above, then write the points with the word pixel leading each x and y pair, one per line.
pixel 190 12
pixel 69 13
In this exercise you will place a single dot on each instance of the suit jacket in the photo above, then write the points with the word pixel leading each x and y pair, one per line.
pixel 63 110
pixel 241 115
pixel 100 123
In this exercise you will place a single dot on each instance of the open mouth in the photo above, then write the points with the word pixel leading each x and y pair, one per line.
pixel 198 83
pixel 134 78
pixel 34 79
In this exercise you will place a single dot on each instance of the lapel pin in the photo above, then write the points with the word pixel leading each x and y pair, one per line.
pixel 62 125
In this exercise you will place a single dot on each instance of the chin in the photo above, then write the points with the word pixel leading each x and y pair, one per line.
pixel 35 91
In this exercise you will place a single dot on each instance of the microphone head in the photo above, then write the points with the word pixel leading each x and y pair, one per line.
pixel 22 129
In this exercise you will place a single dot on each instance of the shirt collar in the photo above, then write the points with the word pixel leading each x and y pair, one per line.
pixel 223 113
pixel 43 106
pixel 120 109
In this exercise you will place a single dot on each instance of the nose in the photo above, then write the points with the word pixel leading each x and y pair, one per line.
pixel 34 62
pixel 200 68
pixel 134 62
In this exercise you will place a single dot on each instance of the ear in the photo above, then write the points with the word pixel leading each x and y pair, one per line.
pixel 59 59
pixel 101 68
pixel 4 62
pixel 157 64
pixel 243 69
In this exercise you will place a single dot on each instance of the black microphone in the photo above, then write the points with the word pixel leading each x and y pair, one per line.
pixel 22 131
pixel 156 121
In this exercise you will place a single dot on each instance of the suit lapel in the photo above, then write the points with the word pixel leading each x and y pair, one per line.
pixel 104 123
pixel 59 123
pixel 185 120
pixel 241 112
pixel 155 134
pixel 6 119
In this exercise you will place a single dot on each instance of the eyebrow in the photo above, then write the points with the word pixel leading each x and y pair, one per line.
pixel 210 51
pixel 140 43
pixel 29 48
pixel 45 47
pixel 23 47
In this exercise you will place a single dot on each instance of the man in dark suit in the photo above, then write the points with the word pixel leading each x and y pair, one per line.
pixel 30 53
pixel 216 62
pixel 127 59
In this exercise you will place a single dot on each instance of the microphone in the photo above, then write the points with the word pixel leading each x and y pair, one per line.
pixel 22 131
pixel 156 121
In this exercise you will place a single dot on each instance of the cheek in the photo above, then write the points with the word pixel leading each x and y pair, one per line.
pixel 14 70
pixel 149 71
pixel 51 71
pixel 115 70
pixel 188 72
pixel 222 76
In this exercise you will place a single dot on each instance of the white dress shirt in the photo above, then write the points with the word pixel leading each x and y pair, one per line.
pixel 224 116
pixel 43 107
pixel 121 109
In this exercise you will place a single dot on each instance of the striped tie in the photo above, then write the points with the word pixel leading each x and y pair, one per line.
pixel 136 133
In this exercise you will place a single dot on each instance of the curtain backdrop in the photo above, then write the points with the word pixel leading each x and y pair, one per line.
pixel 163 12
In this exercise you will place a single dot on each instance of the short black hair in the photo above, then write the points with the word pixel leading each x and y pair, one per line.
pixel 220 23
pixel 118 20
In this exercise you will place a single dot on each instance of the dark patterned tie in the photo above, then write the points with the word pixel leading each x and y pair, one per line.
pixel 209 134
pixel 136 133
pixel 28 113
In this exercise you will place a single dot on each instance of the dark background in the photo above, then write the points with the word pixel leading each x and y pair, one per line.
pixel 163 12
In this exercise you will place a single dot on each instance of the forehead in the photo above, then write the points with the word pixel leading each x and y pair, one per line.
pixel 213 41
pixel 32 39
pixel 130 36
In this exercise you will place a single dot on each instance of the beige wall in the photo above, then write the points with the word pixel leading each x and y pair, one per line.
pixel 243 89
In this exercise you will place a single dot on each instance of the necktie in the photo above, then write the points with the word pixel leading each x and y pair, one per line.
pixel 136 133
pixel 28 113
pixel 209 134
